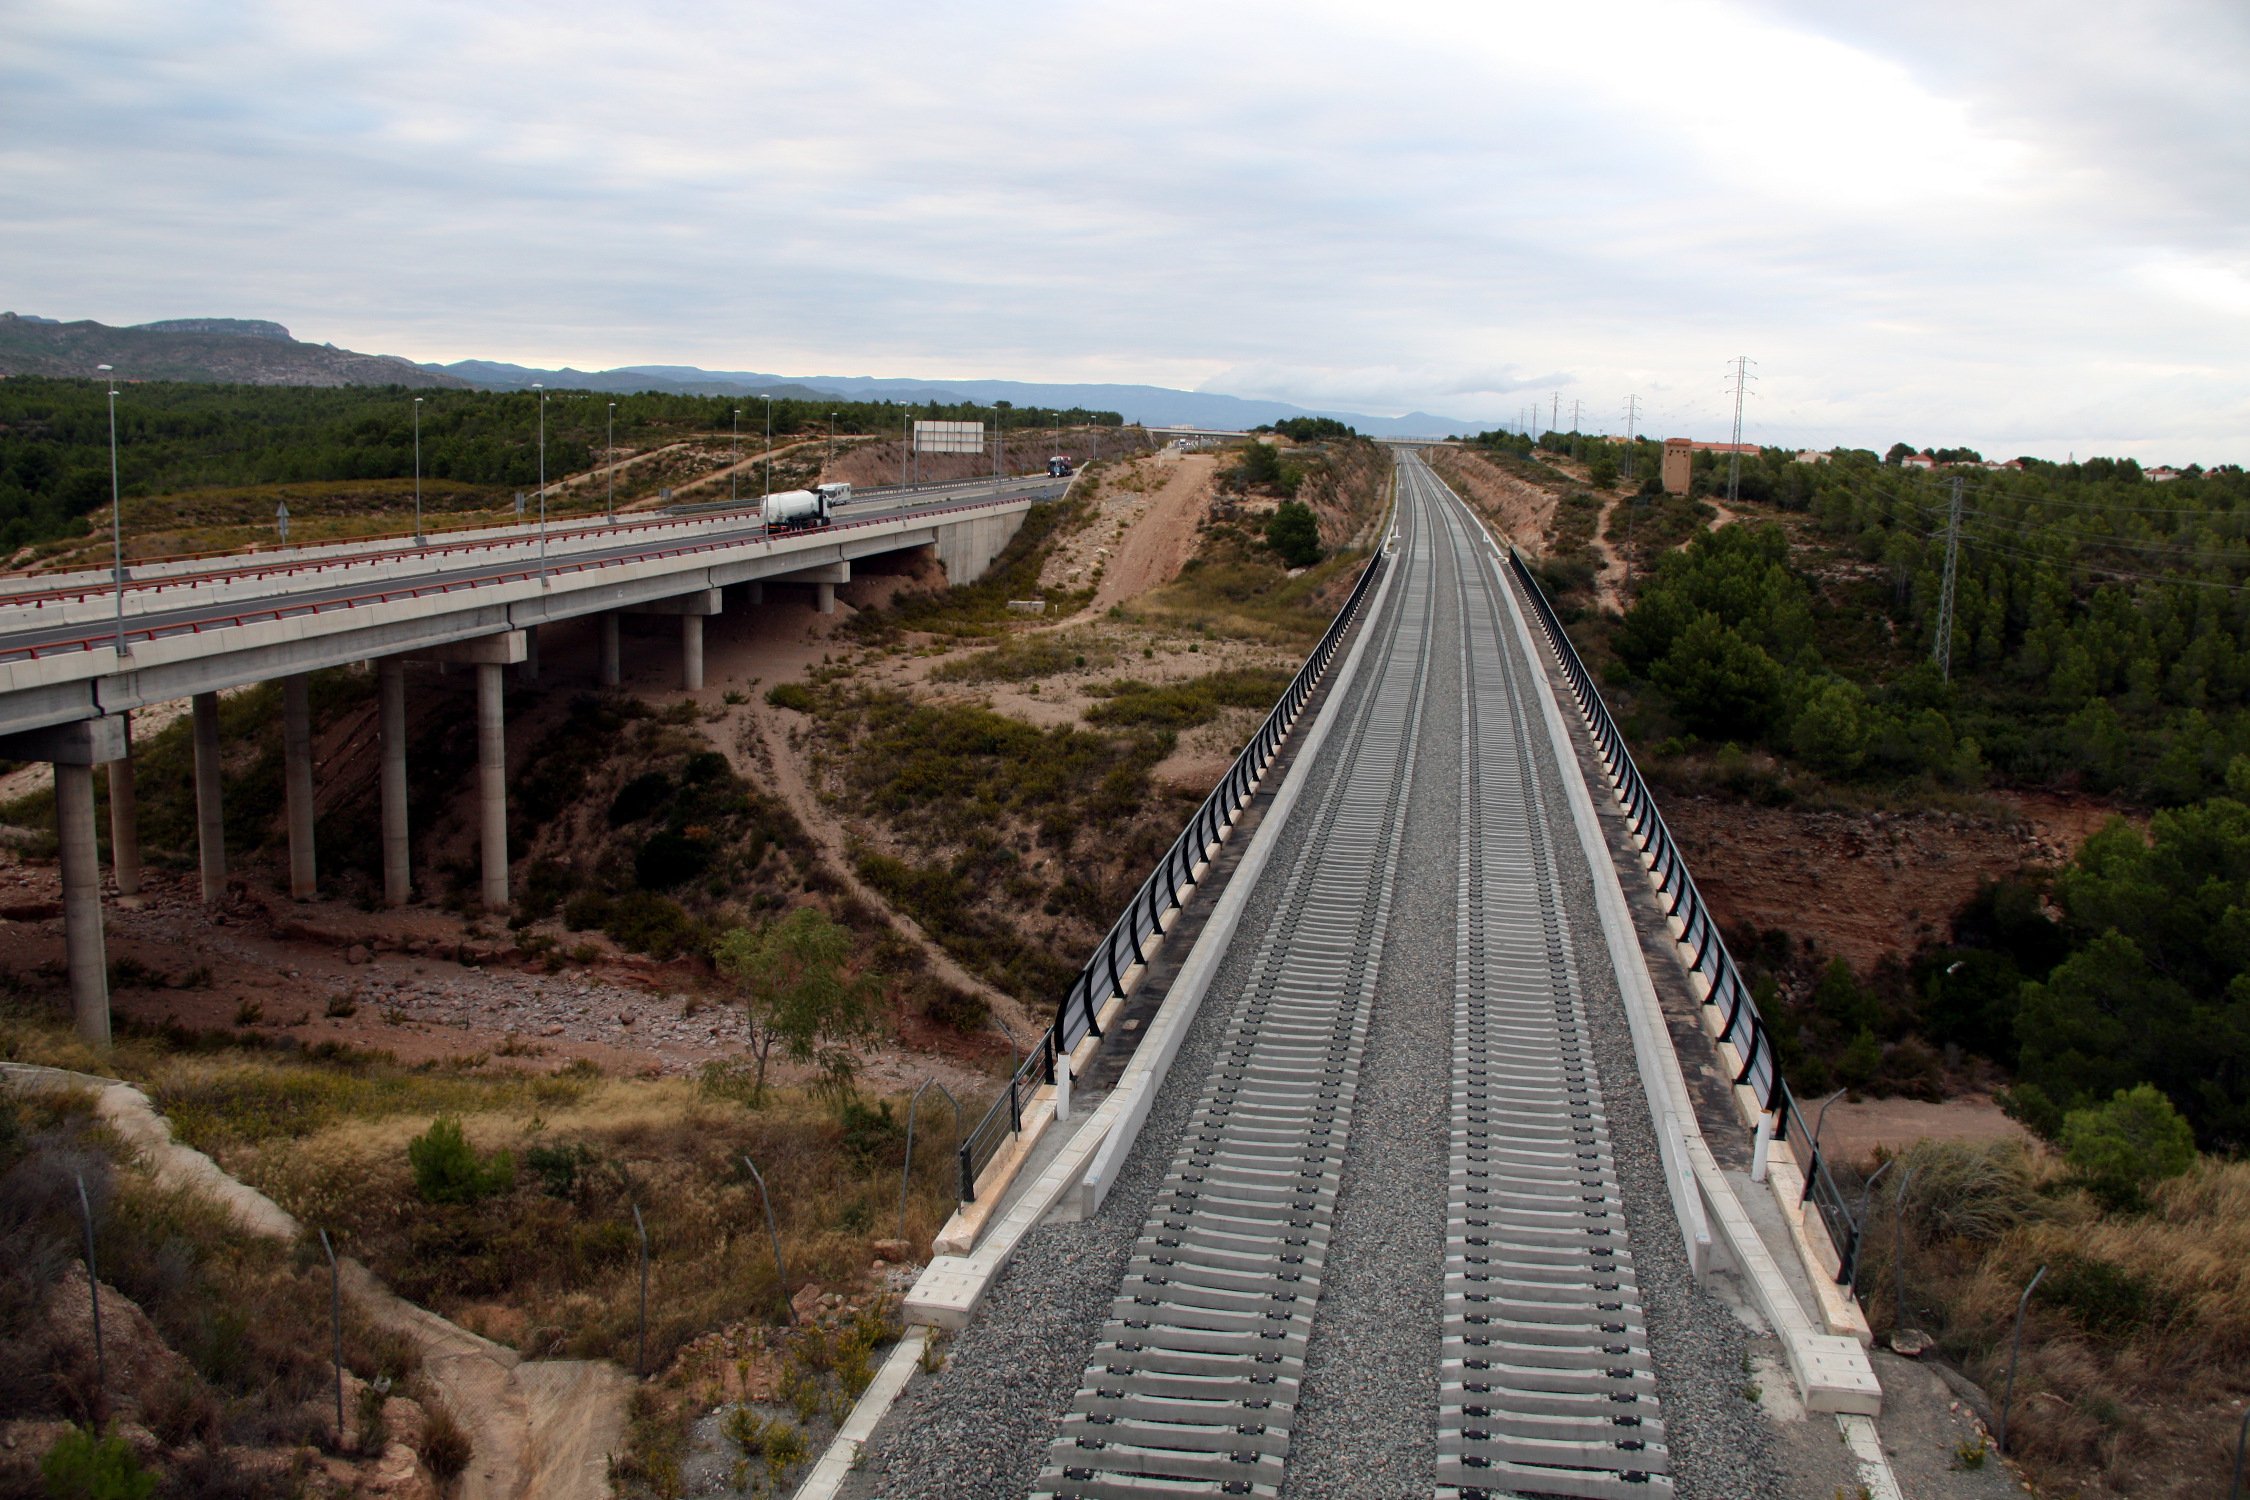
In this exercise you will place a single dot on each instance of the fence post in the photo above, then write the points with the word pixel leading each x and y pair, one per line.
pixel 1898 1244
pixel 640 1364
pixel 781 1273
pixel 1819 1121
pixel 94 1291
pixel 2015 1351
pixel 2234 1487
pixel 336 1331
pixel 906 1173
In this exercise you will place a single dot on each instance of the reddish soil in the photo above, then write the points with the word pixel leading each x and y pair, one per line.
pixel 1524 512
pixel 1867 886
pixel 1856 1127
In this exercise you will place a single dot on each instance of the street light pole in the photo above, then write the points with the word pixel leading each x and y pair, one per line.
pixel 999 438
pixel 417 471
pixel 542 390
pixel 116 515
pixel 769 446
pixel 613 463
pixel 735 462
pixel 829 456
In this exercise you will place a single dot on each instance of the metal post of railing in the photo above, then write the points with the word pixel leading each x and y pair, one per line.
pixel 906 1173
pixel 773 1232
pixel 2241 1437
pixel 2015 1352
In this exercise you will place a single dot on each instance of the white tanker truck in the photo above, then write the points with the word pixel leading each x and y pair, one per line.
pixel 794 510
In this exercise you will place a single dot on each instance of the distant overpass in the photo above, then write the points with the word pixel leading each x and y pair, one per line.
pixel 80 652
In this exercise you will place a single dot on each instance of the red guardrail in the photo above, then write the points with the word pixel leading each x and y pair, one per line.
pixel 498 536
pixel 512 575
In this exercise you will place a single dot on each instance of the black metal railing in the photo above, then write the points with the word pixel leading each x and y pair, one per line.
pixel 1102 977
pixel 1744 1027
pixel 1005 1117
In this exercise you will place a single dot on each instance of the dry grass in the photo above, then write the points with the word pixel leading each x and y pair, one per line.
pixel 553 1266
pixel 2137 1337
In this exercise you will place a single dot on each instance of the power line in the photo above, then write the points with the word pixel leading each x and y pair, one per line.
pixel 1945 599
pixel 1742 377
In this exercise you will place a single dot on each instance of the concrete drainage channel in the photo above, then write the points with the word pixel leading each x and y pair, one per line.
pixel 1191 1380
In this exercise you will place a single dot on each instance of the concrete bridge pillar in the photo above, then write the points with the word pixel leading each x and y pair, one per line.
pixel 492 784
pixel 210 814
pixel 297 783
pixel 611 668
pixel 74 750
pixel 490 655
pixel 528 671
pixel 691 608
pixel 823 577
pixel 398 879
pixel 124 817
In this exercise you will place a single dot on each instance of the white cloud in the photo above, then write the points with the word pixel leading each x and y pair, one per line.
pixel 1974 224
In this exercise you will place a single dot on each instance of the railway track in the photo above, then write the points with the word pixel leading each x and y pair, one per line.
pixel 1544 1385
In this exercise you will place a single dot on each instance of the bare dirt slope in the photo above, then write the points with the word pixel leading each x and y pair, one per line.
pixel 538 1429
pixel 1867 886
pixel 1524 512
pixel 1159 534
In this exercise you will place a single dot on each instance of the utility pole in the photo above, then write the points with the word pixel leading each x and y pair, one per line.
pixel 1632 416
pixel 1554 412
pixel 1574 405
pixel 1742 377
pixel 1943 648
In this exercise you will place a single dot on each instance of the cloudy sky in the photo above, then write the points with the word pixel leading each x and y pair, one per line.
pixel 2022 225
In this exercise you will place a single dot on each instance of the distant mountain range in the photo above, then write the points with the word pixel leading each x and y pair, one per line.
pixel 1153 405
pixel 226 350
pixel 255 352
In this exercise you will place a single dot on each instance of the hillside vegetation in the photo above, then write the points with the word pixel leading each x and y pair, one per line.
pixel 177 438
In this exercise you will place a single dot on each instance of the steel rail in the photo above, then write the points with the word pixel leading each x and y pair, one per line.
pixel 1546 1384
pixel 1162 892
pixel 1196 1373
pixel 1741 1025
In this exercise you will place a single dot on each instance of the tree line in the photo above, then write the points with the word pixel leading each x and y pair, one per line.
pixel 175 436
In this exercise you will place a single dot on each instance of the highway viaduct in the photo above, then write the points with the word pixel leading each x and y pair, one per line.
pixel 79 654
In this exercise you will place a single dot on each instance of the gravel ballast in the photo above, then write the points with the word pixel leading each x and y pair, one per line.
pixel 1366 1419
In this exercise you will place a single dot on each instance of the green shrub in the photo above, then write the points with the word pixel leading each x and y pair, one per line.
pixel 2137 1138
pixel 557 1167
pixel 1294 532
pixel 86 1466
pixel 447 1169
pixel 791 695
pixel 651 924
pixel 671 859
pixel 956 1010
pixel 870 1135
pixel 1182 705
pixel 637 798
pixel 2108 1301
pixel 445 1444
